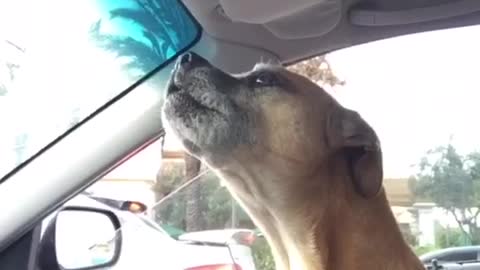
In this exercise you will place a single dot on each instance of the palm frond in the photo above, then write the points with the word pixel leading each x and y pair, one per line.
pixel 154 42
pixel 136 16
pixel 164 26
pixel 161 17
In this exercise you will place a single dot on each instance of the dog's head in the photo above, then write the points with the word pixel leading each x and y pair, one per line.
pixel 268 116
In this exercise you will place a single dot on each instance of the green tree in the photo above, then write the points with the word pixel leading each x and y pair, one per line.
pixel 262 255
pixel 194 220
pixel 317 69
pixel 452 181
pixel 172 211
pixel 449 237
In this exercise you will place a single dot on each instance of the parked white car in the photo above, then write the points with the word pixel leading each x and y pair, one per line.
pixel 466 257
pixel 143 241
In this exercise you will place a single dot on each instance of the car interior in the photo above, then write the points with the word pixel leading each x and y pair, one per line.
pixel 233 35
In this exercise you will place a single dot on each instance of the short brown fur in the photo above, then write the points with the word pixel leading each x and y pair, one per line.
pixel 311 180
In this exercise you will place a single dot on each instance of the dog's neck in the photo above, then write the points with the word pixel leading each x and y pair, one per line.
pixel 363 236
pixel 326 229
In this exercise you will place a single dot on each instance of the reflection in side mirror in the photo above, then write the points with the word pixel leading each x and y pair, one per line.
pixel 84 239
pixel 81 238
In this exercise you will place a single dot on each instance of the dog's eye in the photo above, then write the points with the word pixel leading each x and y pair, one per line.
pixel 264 79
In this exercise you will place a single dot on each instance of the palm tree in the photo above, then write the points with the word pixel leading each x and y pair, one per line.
pixel 160 28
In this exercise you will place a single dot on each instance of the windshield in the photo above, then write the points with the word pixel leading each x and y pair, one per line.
pixel 61 60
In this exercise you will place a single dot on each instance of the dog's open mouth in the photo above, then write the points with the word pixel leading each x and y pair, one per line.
pixel 184 98
pixel 193 103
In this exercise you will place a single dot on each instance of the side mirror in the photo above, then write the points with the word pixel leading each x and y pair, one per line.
pixel 436 265
pixel 80 238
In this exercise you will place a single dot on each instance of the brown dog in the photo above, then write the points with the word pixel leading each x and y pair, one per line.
pixel 307 170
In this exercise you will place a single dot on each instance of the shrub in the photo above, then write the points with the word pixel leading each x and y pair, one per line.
pixel 450 237
pixel 424 249
pixel 262 255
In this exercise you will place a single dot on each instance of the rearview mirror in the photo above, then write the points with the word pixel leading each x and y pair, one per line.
pixel 81 238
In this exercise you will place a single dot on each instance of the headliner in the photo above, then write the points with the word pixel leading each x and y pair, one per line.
pixel 295 30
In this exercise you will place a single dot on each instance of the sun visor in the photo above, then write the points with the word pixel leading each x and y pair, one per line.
pixel 286 19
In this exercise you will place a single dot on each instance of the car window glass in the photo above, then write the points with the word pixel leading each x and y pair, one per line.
pixel 60 61
pixel 459 256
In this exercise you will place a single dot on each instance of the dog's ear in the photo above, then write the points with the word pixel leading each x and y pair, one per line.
pixel 350 134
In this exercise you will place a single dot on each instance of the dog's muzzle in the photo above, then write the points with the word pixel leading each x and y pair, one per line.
pixel 185 64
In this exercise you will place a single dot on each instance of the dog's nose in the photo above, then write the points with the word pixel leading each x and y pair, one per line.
pixel 186 58
pixel 190 59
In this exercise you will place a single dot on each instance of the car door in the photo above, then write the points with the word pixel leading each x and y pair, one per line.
pixel 461 259
pixel 471 266
pixel 20 255
pixel 460 256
